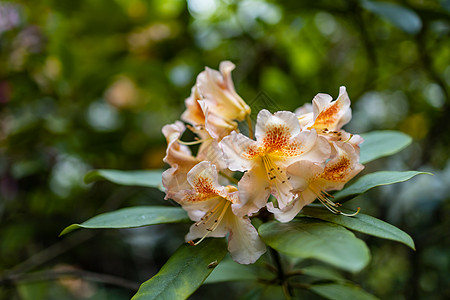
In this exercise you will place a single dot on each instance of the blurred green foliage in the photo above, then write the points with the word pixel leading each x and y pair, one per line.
pixel 88 84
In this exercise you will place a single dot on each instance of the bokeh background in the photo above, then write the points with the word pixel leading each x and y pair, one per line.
pixel 89 83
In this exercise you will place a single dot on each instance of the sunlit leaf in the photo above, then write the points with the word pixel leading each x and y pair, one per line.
pixel 151 178
pixel 341 291
pixel 184 272
pixel 229 270
pixel 137 216
pixel 361 223
pixel 372 180
pixel 309 238
pixel 382 143
pixel 399 16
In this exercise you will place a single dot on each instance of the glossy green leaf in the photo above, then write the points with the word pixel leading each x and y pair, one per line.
pixel 229 270
pixel 310 238
pixel 399 16
pixel 133 217
pixel 150 178
pixel 382 143
pixel 361 223
pixel 372 180
pixel 341 291
pixel 184 272
pixel 322 273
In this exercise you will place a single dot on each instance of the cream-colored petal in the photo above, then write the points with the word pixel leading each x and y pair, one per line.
pixel 193 114
pixel 174 181
pixel 341 168
pixel 177 155
pixel 204 179
pixel 289 212
pixel 301 173
pixel 320 102
pixel 305 109
pixel 309 146
pixel 346 116
pixel 254 191
pixel 276 128
pixel 244 243
pixel 218 90
pixel 209 150
pixel 197 232
pixel 216 125
pixel 331 115
pixel 239 151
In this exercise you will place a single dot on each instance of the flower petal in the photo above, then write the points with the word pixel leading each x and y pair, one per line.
pixel 309 146
pixel 301 173
pixel 254 190
pixel 216 125
pixel 218 90
pixel 274 129
pixel 341 168
pixel 204 179
pixel 210 151
pixel 244 243
pixel 174 181
pixel 289 212
pixel 239 151
pixel 193 114
pixel 331 115
pixel 177 154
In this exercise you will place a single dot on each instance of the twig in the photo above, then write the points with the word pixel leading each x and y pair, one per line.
pixel 281 276
pixel 55 275
pixel 50 253
pixel 232 179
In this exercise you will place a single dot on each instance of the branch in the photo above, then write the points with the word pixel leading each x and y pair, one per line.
pixel 55 275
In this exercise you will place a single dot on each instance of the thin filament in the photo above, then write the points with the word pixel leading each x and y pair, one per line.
pixel 330 205
pixel 216 221
pixel 191 143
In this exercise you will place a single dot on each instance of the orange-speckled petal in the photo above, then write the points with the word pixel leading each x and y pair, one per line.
pixel 331 115
pixel 239 151
pixel 275 130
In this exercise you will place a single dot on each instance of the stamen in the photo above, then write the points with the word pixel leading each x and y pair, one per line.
pixel 205 218
pixel 191 143
pixel 274 172
pixel 216 221
pixel 250 127
pixel 330 205
pixel 351 135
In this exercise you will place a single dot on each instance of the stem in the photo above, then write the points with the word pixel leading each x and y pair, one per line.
pixel 250 127
pixel 282 279
pixel 230 178
pixel 55 275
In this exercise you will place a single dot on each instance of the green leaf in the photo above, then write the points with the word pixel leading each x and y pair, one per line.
pixel 184 272
pixel 229 270
pixel 382 143
pixel 137 216
pixel 372 180
pixel 341 291
pixel 322 273
pixel 150 178
pixel 361 223
pixel 310 238
pixel 399 16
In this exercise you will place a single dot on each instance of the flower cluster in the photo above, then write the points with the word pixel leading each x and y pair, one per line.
pixel 295 157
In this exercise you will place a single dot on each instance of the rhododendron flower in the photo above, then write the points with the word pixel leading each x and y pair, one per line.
pixel 312 180
pixel 209 204
pixel 214 104
pixel 279 143
pixel 180 158
pixel 328 117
